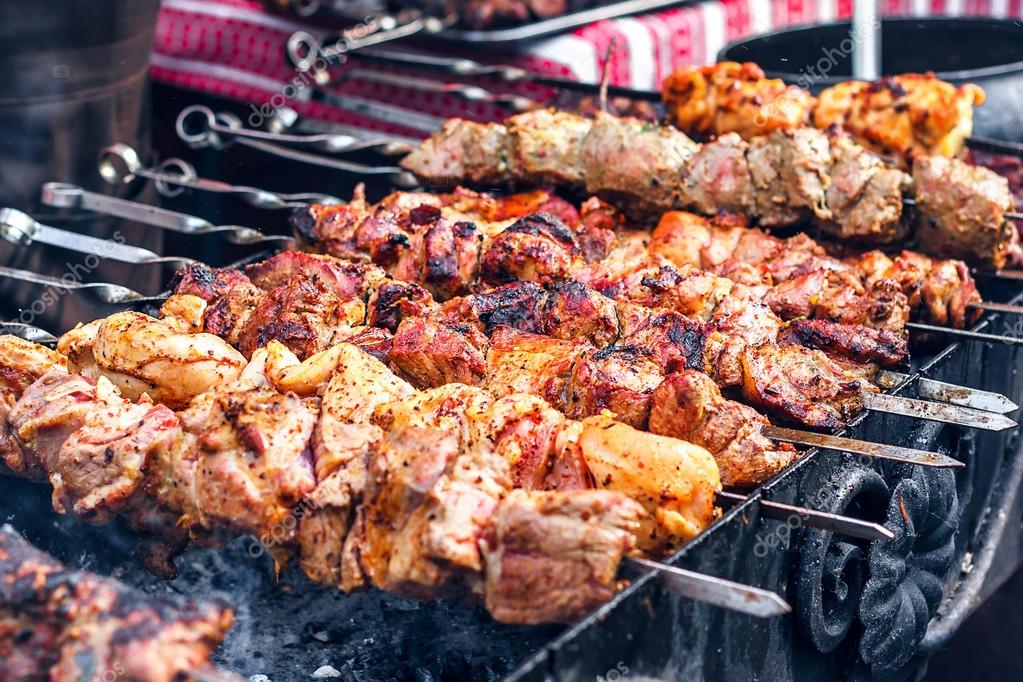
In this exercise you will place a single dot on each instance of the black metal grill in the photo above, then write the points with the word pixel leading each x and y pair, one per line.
pixel 851 616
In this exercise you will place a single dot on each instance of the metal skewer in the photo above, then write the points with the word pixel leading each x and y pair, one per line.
pixel 708 589
pixel 862 447
pixel 966 333
pixel 104 292
pixel 936 411
pixel 950 393
pixel 836 523
pixel 20 228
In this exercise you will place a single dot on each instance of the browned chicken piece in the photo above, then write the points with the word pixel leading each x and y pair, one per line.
pixel 432 354
pixel 93 445
pixel 790 176
pixel 717 178
pixel 804 386
pixel 635 164
pixel 21 364
pixel 462 151
pixel 64 625
pixel 546 146
pixel 618 379
pixel 731 97
pixel 886 347
pixel 538 248
pixel 939 291
pixel 519 362
pixel 553 556
pixel 962 212
pixel 689 405
pixel 141 355
pixel 865 195
pixel 675 481
pixel 905 116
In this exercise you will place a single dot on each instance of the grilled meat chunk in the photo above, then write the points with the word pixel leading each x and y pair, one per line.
pixel 538 248
pixel 519 362
pixel 432 354
pixel 865 195
pixel 93 445
pixel 635 164
pixel 571 310
pixel 689 405
pixel 516 305
pixel 962 212
pixel 729 97
pixel 717 178
pixel 905 116
pixel 62 625
pixel 553 556
pixel 462 151
pixel 618 379
pixel 790 176
pixel 21 364
pixel 804 386
pixel 145 356
pixel 546 146
pixel 858 343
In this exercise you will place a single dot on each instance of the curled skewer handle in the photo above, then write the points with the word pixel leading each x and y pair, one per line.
pixel 119 165
pixel 71 196
pixel 469 93
pixel 199 126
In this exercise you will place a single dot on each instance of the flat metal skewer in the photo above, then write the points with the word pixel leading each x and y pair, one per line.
pixel 862 447
pixel 965 333
pixel 836 523
pixel 936 411
pixel 110 294
pixel 20 228
pixel 941 391
pixel 993 307
pixel 730 595
pixel 28 332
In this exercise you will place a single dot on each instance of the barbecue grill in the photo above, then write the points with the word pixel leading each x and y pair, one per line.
pixel 860 609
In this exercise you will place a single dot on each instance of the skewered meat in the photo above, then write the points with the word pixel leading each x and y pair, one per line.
pixel 962 212
pixel 865 195
pixel 462 151
pixel 788 380
pixel 21 364
pixel 62 625
pixel 646 168
pixel 554 555
pixel 547 144
pixel 907 116
pixel 731 97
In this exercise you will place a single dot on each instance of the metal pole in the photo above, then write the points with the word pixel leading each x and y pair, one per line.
pixel 866 38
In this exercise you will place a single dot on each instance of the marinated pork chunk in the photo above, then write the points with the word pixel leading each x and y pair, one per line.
pixel 790 176
pixel 689 406
pixel 63 625
pixel 635 164
pixel 717 178
pixel 553 556
pixel 538 248
pixel 962 212
pixel 546 146
pixel 462 151
pixel 21 364
pixel 93 445
pixel 865 195
pixel 804 385
pixel 519 362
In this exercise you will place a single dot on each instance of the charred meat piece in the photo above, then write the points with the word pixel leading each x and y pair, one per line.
pixel 865 195
pixel 60 625
pixel 962 212
pixel 518 362
pixel 517 305
pixel 538 248
pixel 463 151
pixel 432 354
pixel 443 256
pixel 689 405
pixel 886 347
pixel 545 146
pixel 790 176
pixel 393 301
pixel 636 164
pixel 618 379
pixel 22 363
pixel 672 340
pixel 553 556
pixel 803 386
pixel 571 310
pixel 717 178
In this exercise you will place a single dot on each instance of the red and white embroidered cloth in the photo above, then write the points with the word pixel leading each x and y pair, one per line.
pixel 234 48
